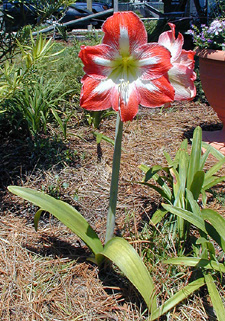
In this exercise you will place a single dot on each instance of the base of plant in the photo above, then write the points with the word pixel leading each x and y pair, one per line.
pixel 215 139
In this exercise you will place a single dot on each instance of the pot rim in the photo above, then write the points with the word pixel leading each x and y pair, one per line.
pixel 211 54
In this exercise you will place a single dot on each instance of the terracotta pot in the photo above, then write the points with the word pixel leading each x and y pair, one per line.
pixel 212 76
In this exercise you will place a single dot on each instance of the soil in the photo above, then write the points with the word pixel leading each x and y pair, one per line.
pixel 46 275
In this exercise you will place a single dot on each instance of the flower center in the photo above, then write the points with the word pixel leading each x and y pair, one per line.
pixel 124 67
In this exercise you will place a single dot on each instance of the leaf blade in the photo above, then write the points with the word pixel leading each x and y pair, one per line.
pixel 64 212
pixel 215 297
pixel 126 258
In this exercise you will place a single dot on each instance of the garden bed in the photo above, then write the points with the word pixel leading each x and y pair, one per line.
pixel 46 275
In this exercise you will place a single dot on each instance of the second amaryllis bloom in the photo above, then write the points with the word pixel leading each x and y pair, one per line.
pixel 125 71
pixel 181 75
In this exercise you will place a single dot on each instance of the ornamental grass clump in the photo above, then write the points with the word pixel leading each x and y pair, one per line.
pixel 123 72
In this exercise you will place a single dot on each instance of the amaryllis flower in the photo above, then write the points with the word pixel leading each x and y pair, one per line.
pixel 125 71
pixel 182 74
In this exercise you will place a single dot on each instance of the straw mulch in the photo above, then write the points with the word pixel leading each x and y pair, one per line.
pixel 46 275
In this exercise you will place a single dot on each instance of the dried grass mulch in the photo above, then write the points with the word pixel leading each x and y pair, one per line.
pixel 45 275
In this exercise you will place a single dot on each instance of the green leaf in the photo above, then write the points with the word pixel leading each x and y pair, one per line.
pixel 216 219
pixel 122 254
pixel 150 172
pixel 144 168
pixel 212 232
pixel 186 215
pixel 178 297
pixel 197 183
pixel 197 262
pixel 100 136
pixel 158 189
pixel 158 216
pixel 64 212
pixel 193 203
pixel 203 160
pixel 213 151
pixel 37 217
pixel 215 168
pixel 215 297
pixel 212 181
pixel 194 164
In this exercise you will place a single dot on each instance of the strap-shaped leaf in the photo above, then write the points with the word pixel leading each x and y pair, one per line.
pixel 178 297
pixel 186 215
pixel 197 262
pixel 197 183
pixel 212 232
pixel 217 221
pixel 158 216
pixel 122 254
pixel 37 217
pixel 64 212
pixel 162 191
pixel 215 168
pixel 213 151
pixel 183 167
pixel 193 203
pixel 215 297
pixel 212 181
pixel 194 163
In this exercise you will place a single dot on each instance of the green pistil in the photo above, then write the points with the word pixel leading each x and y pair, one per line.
pixel 124 67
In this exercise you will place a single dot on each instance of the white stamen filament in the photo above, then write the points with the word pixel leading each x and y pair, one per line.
pixel 123 89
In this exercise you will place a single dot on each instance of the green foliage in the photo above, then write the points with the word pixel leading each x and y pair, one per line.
pixel 64 212
pixel 35 105
pixel 154 28
pixel 183 181
pixel 118 250
pixel 31 96
pixel 94 118
pixel 210 225
pixel 126 258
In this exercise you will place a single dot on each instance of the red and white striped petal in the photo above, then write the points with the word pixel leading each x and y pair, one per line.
pixel 174 45
pixel 124 31
pixel 155 93
pixel 97 60
pixel 129 104
pixel 96 94
pixel 182 79
pixel 153 60
pixel 186 58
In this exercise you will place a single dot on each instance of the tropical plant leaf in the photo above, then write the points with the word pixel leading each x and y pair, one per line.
pixel 37 217
pixel 213 151
pixel 194 164
pixel 197 262
pixel 122 254
pixel 161 191
pixel 100 136
pixel 193 203
pixel 215 297
pixel 178 297
pixel 212 181
pixel 150 171
pixel 212 232
pixel 217 221
pixel 186 215
pixel 215 168
pixel 64 212
pixel 158 216
pixel 197 183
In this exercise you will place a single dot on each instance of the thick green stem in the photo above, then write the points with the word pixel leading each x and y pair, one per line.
pixel 115 180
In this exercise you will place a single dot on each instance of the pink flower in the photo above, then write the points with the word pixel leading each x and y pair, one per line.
pixel 182 74
pixel 125 71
